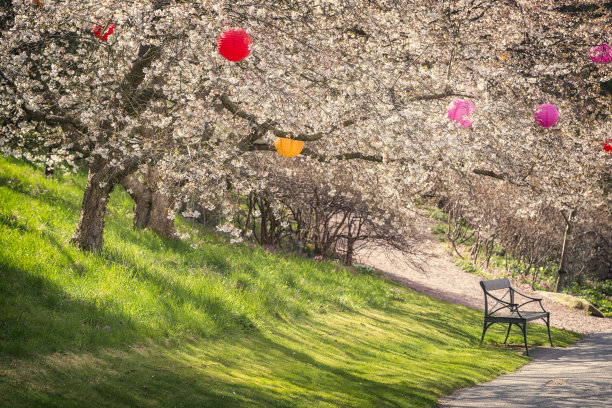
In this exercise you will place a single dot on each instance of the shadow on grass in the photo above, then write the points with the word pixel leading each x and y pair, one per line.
pixel 49 197
pixel 291 367
pixel 153 243
pixel 181 294
pixel 39 317
pixel 273 375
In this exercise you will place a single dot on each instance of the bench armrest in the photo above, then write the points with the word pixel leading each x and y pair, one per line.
pixel 531 301
pixel 506 304
pixel 523 295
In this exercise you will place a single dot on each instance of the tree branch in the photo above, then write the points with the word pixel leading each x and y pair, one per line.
pixel 267 126
pixel 489 173
pixel 74 128
pixel 321 157
pixel 443 95
pixel 146 55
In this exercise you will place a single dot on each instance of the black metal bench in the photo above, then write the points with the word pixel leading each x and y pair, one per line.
pixel 505 310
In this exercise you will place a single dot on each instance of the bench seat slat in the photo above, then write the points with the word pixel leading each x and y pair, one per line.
pixel 526 316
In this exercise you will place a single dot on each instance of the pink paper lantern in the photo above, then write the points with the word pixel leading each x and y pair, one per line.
pixel 234 44
pixel 460 111
pixel 546 115
pixel 601 54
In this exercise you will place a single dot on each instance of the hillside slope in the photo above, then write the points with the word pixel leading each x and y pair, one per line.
pixel 438 274
pixel 197 322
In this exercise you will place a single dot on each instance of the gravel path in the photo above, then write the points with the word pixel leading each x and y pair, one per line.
pixel 437 275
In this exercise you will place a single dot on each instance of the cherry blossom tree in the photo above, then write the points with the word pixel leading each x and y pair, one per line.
pixel 356 79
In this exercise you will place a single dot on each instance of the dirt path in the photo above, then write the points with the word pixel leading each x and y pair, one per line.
pixel 438 276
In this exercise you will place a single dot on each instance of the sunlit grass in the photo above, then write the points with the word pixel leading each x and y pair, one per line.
pixel 156 322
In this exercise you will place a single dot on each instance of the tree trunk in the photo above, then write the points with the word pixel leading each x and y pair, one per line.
pixel 142 198
pixel 489 251
pixel 49 171
pixel 90 228
pixel 151 208
pixel 159 220
pixel 250 205
pixel 562 272
pixel 350 249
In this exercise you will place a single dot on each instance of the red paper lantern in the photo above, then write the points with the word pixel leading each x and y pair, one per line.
pixel 607 146
pixel 103 32
pixel 546 115
pixel 234 44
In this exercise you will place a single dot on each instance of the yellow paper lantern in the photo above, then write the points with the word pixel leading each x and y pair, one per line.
pixel 289 147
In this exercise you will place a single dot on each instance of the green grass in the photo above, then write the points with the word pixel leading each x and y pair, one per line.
pixel 215 325
pixel 599 295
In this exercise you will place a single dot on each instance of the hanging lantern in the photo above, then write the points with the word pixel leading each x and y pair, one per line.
pixel 460 111
pixel 289 147
pixel 546 115
pixel 103 32
pixel 234 44
pixel 607 146
pixel 601 54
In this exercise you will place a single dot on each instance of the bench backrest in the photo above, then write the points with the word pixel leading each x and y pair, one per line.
pixel 497 284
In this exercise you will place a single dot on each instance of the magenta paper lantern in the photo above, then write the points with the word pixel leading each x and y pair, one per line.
pixel 546 115
pixel 601 54
pixel 108 30
pixel 234 44
pixel 460 111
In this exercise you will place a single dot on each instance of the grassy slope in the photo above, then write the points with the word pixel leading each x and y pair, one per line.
pixel 215 325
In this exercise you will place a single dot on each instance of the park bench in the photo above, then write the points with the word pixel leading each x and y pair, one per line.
pixel 503 308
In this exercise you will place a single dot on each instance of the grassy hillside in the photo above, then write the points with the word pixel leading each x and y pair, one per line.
pixel 150 322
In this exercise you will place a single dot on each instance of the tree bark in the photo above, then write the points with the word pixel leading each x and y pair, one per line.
pixel 151 208
pixel 89 232
pixel 142 199
pixel 159 220
pixel 562 272
pixel 350 249
pixel 49 171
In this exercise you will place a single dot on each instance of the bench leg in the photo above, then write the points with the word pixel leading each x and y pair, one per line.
pixel 507 334
pixel 484 330
pixel 524 328
pixel 548 327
